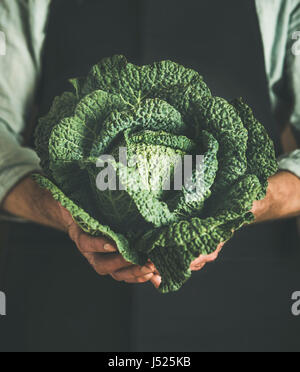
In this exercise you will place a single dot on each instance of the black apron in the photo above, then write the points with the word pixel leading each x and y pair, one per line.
pixel 241 302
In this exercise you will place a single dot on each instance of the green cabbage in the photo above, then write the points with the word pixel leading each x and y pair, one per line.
pixel 160 111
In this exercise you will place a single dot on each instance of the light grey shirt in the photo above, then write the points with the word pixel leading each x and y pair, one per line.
pixel 22 35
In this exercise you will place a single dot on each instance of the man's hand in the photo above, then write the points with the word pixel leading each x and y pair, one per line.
pixel 202 260
pixel 282 201
pixel 29 201
pixel 103 255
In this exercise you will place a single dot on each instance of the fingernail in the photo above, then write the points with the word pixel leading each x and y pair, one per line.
pixel 108 247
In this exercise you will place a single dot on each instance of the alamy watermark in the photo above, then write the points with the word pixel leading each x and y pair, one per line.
pixel 162 172
pixel 296 303
pixel 2 304
pixel 2 44
pixel 296 44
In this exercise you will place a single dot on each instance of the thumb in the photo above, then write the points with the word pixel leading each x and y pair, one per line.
pixel 85 243
pixel 89 244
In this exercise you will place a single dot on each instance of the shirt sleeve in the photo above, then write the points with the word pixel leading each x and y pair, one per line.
pixel 293 64
pixel 291 162
pixel 22 34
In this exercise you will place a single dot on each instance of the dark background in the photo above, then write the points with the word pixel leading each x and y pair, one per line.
pixel 42 272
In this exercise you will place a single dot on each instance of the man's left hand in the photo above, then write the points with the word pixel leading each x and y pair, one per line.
pixel 202 260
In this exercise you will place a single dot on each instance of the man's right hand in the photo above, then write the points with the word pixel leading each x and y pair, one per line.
pixel 103 255
pixel 29 201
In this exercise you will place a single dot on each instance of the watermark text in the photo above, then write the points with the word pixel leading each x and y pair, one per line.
pixel 159 173
pixel 2 304
pixel 296 303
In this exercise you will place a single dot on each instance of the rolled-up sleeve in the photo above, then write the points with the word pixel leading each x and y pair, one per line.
pixel 15 161
pixel 291 162
pixel 22 28
pixel 293 64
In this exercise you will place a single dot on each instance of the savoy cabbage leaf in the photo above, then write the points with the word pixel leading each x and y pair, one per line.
pixel 160 113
